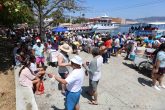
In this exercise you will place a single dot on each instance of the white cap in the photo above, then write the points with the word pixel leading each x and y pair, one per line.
pixel 77 60
pixel 38 40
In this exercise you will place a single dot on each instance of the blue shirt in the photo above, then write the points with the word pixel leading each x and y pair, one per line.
pixel 39 51
pixel 149 41
pixel 161 58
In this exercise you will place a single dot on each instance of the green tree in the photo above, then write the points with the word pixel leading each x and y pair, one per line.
pixel 80 20
pixel 51 8
pixel 14 12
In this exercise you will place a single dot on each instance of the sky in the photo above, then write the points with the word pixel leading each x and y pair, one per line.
pixel 131 9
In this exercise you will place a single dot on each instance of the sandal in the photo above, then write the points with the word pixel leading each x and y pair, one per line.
pixel 93 103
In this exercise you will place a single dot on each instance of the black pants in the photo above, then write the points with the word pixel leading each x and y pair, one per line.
pixel 105 57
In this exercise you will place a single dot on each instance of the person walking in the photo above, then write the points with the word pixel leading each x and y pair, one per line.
pixel 103 52
pixel 159 67
pixel 94 71
pixel 73 83
pixel 116 46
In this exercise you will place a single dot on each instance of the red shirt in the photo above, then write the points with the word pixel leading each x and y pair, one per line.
pixel 108 43
pixel 57 38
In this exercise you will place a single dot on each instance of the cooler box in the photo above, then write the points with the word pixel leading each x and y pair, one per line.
pixel 53 55
pixel 53 58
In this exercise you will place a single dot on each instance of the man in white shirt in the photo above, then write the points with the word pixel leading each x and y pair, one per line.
pixel 73 84
pixel 117 45
pixel 89 44
pixel 94 70
pixel 84 40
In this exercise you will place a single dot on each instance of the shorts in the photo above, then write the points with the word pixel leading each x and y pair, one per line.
pixel 161 70
pixel 116 49
pixel 63 75
pixel 40 60
pixel 72 99
pixel 93 85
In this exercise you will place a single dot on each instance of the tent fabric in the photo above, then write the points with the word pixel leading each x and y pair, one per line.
pixel 59 29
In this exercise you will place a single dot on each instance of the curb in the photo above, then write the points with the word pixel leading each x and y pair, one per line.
pixel 25 99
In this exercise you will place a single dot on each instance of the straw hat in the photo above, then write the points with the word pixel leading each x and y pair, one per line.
pixel 66 48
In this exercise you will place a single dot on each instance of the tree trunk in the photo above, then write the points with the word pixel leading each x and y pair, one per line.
pixel 41 22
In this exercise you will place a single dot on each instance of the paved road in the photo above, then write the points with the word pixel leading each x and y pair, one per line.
pixel 121 88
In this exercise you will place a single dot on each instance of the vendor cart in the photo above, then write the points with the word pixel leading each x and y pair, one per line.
pixel 144 62
pixel 52 58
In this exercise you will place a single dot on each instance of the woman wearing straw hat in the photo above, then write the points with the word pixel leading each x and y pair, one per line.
pixel 74 83
pixel 63 62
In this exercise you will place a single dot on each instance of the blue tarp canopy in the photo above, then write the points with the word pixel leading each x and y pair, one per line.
pixel 60 29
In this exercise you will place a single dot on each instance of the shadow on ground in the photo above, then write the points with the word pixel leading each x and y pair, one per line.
pixel 55 108
pixel 6 59
pixel 145 82
pixel 84 94
pixel 146 73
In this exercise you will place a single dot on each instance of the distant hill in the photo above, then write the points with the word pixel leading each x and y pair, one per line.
pixel 151 19
pixel 131 19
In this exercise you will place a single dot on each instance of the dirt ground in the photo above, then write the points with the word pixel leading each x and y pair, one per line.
pixel 121 87
pixel 7 83
pixel 7 91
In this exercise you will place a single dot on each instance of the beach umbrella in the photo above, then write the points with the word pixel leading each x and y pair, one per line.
pixel 60 29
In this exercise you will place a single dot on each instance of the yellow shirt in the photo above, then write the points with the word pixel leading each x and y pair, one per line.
pixel 76 43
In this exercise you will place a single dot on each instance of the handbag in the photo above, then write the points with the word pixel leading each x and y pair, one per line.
pixel 41 87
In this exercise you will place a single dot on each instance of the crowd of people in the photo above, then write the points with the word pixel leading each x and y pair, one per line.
pixel 32 52
pixel 142 28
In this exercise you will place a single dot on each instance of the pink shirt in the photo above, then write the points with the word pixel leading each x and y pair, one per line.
pixel 26 78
